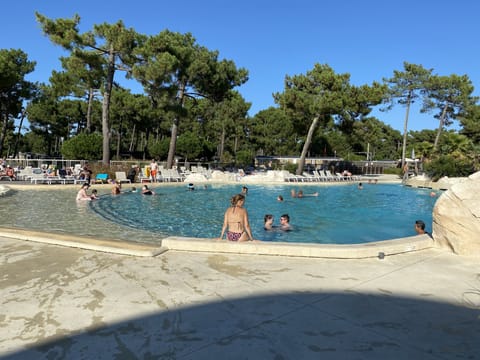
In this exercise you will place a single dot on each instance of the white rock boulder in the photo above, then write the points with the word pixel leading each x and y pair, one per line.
pixel 456 217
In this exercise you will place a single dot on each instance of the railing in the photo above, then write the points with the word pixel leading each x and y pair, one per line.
pixel 22 163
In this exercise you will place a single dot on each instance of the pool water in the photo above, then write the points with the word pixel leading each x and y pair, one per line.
pixel 339 215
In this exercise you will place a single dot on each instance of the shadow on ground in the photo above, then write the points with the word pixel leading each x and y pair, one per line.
pixel 282 326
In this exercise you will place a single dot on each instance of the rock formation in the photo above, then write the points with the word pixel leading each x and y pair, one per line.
pixel 456 217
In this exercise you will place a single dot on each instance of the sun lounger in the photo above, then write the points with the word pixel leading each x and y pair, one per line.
pixel 101 178
pixel 121 177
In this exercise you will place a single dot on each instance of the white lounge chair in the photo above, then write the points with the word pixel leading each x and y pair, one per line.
pixel 121 177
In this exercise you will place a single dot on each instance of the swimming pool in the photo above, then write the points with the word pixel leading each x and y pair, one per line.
pixel 339 215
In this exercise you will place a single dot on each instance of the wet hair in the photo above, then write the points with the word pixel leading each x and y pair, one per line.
pixel 236 198
pixel 420 224
pixel 285 216
pixel 267 217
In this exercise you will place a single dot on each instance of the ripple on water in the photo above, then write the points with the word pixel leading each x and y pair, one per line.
pixel 340 214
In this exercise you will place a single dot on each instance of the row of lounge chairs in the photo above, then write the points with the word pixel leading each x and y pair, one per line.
pixel 163 175
pixel 322 176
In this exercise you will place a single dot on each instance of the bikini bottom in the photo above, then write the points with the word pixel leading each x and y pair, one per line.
pixel 233 236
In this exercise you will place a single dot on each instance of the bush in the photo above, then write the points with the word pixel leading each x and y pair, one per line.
pixel 83 146
pixel 291 168
pixel 393 171
pixel 158 149
pixel 448 165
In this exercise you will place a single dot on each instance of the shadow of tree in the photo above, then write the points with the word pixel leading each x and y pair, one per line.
pixel 316 325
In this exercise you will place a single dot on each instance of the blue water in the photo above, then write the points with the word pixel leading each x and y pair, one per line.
pixel 339 215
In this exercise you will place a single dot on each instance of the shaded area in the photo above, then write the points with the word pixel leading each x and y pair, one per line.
pixel 281 326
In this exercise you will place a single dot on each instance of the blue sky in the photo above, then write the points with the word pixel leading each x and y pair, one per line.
pixel 368 39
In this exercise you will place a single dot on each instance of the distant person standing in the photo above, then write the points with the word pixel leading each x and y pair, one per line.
pixel 153 170
pixel 132 173
pixel 86 175
pixel 405 171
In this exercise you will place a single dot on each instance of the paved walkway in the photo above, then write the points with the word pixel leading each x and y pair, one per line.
pixel 65 303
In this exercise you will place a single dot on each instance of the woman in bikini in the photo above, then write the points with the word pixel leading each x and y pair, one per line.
pixel 236 221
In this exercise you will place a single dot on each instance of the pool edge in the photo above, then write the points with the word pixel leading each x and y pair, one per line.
pixel 115 246
pixel 377 249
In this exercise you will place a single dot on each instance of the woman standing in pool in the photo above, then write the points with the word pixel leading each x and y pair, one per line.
pixel 236 221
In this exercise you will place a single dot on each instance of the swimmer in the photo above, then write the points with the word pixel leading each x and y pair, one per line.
pixel 82 193
pixel 285 222
pixel 147 191
pixel 268 222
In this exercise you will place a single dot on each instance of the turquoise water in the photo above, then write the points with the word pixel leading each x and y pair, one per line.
pixel 340 214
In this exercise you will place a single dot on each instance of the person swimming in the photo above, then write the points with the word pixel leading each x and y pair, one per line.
pixel 147 191
pixel 268 222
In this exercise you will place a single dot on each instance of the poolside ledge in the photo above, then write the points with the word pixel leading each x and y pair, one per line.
pixel 355 251
pixel 84 242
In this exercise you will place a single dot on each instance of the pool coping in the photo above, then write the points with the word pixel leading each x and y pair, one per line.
pixel 378 249
pixel 84 242
pixel 338 251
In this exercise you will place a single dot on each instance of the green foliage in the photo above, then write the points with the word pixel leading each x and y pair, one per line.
pixel 393 171
pixel 245 158
pixel 34 143
pixel 158 149
pixel 83 146
pixel 14 89
pixel 471 123
pixel 449 165
pixel 290 167
pixel 319 95
pixel 273 132
pixel 189 145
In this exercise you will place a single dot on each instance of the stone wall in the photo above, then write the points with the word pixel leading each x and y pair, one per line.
pixel 456 217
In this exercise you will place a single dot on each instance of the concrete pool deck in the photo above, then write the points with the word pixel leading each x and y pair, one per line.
pixel 61 302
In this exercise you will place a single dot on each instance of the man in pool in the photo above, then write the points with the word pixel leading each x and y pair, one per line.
pixel 285 222
pixel 420 228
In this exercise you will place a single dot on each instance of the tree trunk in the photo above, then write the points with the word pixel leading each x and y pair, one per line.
pixel 222 144
pixel 173 144
pixel 440 127
pixel 19 133
pixel 405 127
pixel 306 145
pixel 106 107
pixel 89 111
pixel 173 139
pixel 3 134
pixel 119 138
pixel 130 148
